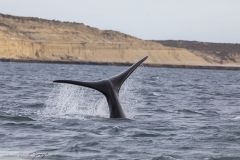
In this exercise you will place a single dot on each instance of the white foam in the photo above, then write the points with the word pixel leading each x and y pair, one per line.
pixel 236 118
pixel 13 155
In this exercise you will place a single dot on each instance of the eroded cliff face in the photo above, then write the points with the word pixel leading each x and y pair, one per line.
pixel 219 52
pixel 38 39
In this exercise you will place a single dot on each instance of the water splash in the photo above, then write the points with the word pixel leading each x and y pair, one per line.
pixel 126 99
pixel 70 101
pixel 128 93
pixel 75 102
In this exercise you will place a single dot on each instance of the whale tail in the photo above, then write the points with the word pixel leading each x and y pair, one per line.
pixel 98 85
pixel 116 81
pixel 110 88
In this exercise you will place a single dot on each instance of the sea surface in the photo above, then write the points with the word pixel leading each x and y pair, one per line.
pixel 173 114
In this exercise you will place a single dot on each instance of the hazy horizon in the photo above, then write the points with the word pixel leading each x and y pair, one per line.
pixel 208 21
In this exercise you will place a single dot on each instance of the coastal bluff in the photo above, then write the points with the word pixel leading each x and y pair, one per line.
pixel 28 38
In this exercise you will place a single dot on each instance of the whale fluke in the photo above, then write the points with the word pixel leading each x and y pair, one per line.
pixel 118 80
pixel 110 88
pixel 98 85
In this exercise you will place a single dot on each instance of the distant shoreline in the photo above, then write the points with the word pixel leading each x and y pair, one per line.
pixel 213 67
pixel 36 40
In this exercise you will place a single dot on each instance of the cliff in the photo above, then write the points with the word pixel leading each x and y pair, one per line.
pixel 27 38
pixel 220 52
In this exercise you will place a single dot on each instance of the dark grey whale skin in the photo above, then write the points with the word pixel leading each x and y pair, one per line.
pixel 110 88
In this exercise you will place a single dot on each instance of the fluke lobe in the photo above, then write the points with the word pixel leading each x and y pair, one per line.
pixel 110 88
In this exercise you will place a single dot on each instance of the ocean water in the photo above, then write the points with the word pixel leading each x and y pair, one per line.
pixel 173 114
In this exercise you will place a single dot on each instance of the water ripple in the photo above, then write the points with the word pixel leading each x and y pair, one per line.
pixel 173 114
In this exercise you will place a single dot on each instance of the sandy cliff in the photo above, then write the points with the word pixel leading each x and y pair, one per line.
pixel 29 38
pixel 219 52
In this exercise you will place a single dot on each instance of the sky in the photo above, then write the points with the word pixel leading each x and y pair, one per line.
pixel 201 20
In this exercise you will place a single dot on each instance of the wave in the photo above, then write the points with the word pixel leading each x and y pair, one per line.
pixel 225 158
pixel 78 148
pixel 16 118
pixel 146 135
pixel 209 128
pixel 161 110
pixel 23 125
pixel 34 105
pixel 187 111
